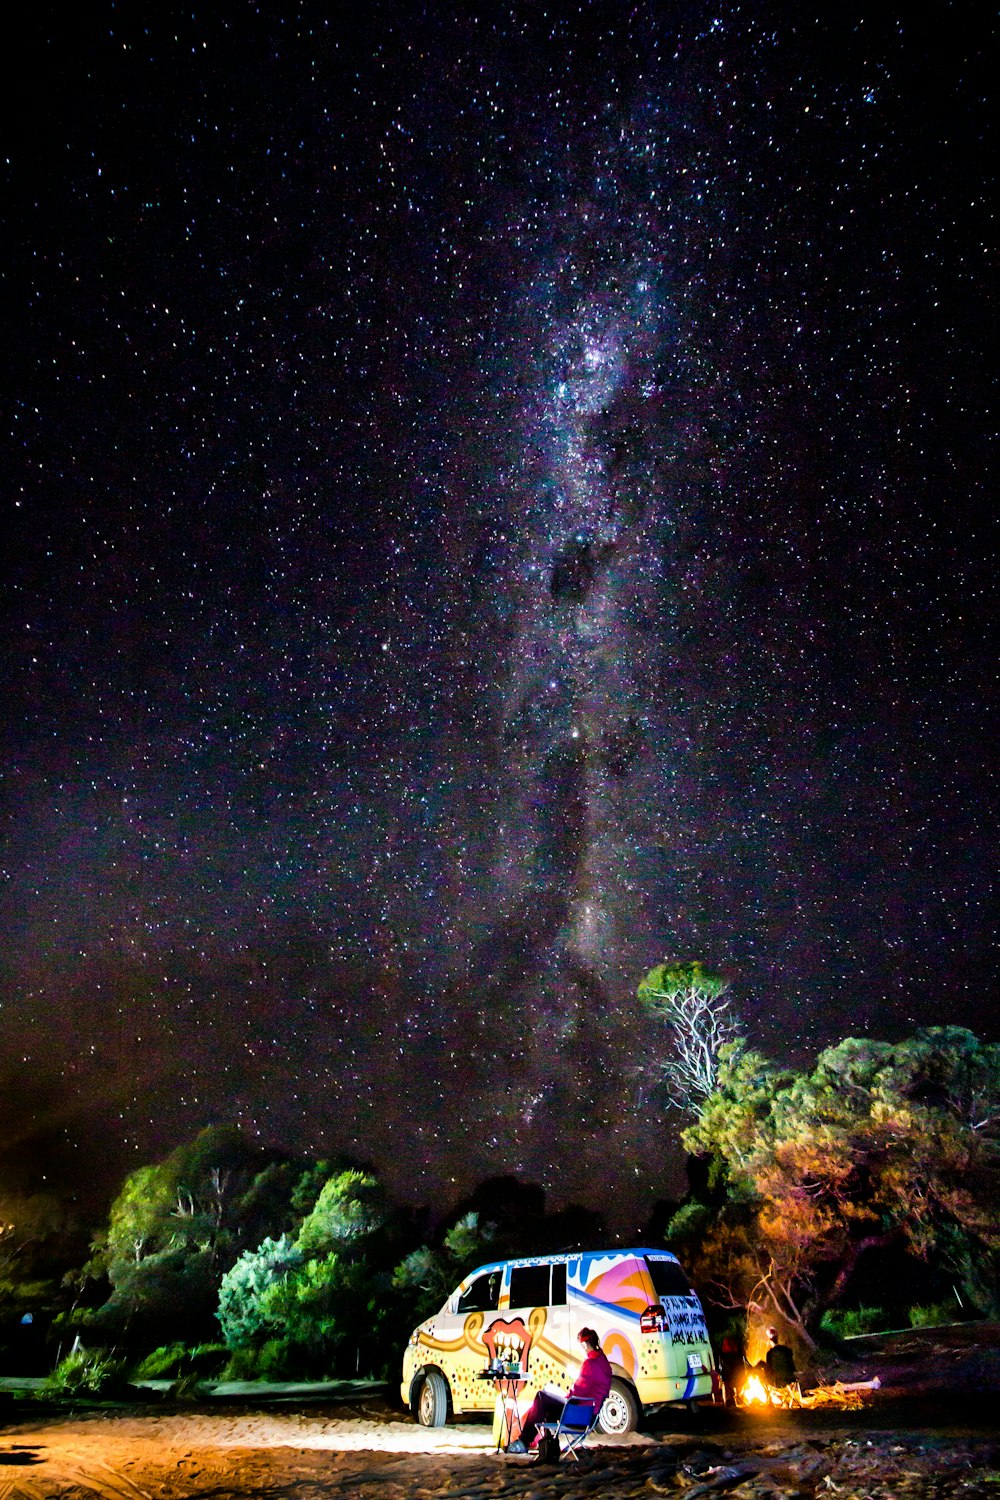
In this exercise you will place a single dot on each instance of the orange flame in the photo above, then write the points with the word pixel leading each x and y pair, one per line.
pixel 756 1393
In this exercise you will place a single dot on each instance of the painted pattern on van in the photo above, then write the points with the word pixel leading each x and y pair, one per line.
pixel 619 1284
pixel 468 1355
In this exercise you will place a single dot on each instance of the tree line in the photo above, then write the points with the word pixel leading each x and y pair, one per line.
pixel 875 1172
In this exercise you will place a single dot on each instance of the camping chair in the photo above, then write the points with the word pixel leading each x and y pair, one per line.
pixel 576 1423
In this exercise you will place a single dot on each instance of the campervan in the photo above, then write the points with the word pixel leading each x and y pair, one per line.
pixel 523 1316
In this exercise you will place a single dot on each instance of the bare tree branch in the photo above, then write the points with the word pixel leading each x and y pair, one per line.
pixel 695 1007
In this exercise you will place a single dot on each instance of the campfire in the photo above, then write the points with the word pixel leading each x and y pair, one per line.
pixel 756 1393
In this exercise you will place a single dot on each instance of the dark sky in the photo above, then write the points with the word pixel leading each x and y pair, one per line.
pixel 496 497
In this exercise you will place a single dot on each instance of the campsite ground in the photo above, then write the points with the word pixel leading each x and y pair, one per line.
pixel 931 1430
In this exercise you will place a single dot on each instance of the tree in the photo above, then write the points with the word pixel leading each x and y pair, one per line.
pixel 245 1292
pixel 34 1239
pixel 176 1226
pixel 350 1206
pixel 317 1302
pixel 693 1005
pixel 427 1275
pixel 879 1145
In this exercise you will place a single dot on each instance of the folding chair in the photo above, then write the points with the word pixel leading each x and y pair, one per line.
pixel 577 1422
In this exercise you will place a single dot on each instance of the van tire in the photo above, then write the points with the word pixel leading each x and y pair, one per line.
pixel 432 1400
pixel 620 1412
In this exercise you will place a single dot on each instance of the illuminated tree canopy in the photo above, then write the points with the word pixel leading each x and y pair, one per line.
pixel 880 1144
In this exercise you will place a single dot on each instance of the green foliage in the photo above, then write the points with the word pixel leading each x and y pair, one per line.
pixel 319 1304
pixel 208 1360
pixel 350 1206
pixel 177 1225
pixel 172 1361
pixel 850 1322
pixel 174 1289
pixel 308 1187
pixel 667 981
pixel 933 1314
pixel 241 1365
pixel 426 1276
pixel 33 1240
pixel 879 1144
pixel 86 1372
pixel 244 1293
pixel 164 1363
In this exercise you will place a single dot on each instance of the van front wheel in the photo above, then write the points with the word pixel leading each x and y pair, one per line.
pixel 432 1403
pixel 620 1412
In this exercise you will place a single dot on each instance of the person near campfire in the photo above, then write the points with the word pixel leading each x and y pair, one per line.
pixel 732 1369
pixel 778 1369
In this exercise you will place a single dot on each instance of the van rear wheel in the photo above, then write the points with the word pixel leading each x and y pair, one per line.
pixel 432 1403
pixel 620 1412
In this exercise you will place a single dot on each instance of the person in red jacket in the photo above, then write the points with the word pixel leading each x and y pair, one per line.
pixel 592 1384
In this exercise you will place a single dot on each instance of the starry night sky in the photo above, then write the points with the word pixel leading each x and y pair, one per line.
pixel 496 497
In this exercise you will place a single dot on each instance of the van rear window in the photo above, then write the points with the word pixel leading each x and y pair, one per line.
pixel 668 1278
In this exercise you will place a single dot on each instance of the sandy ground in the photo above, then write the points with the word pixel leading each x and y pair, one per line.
pixel 305 1456
pixel 932 1431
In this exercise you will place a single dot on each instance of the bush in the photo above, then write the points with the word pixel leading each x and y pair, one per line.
pixel 280 1359
pixel 208 1360
pixel 849 1322
pixel 248 1288
pixel 933 1313
pixel 165 1363
pixel 276 1359
pixel 172 1361
pixel 86 1372
pixel 241 1365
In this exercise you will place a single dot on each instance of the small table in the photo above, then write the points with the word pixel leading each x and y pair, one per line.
pixel 508 1388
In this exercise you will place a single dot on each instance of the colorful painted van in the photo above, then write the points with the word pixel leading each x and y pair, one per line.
pixel 528 1313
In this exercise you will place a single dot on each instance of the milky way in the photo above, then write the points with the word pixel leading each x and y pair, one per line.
pixel 494 503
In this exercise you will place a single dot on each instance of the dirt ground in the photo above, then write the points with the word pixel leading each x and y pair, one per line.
pixel 930 1431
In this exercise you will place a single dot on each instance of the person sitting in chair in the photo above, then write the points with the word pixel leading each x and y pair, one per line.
pixel 592 1384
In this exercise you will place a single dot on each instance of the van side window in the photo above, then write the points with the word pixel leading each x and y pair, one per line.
pixel 482 1295
pixel 559 1285
pixel 529 1286
pixel 668 1278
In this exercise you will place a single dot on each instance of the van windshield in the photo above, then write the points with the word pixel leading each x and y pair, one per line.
pixel 668 1278
pixel 481 1295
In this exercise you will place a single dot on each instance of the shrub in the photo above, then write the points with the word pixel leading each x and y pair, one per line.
pixel 279 1359
pixel 85 1372
pixel 933 1313
pixel 247 1290
pixel 172 1361
pixel 165 1363
pixel 849 1322
pixel 208 1359
pixel 241 1365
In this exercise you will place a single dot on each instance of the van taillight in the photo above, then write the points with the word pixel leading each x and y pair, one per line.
pixel 654 1319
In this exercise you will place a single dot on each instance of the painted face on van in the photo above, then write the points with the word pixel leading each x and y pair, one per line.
pixel 510 1342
